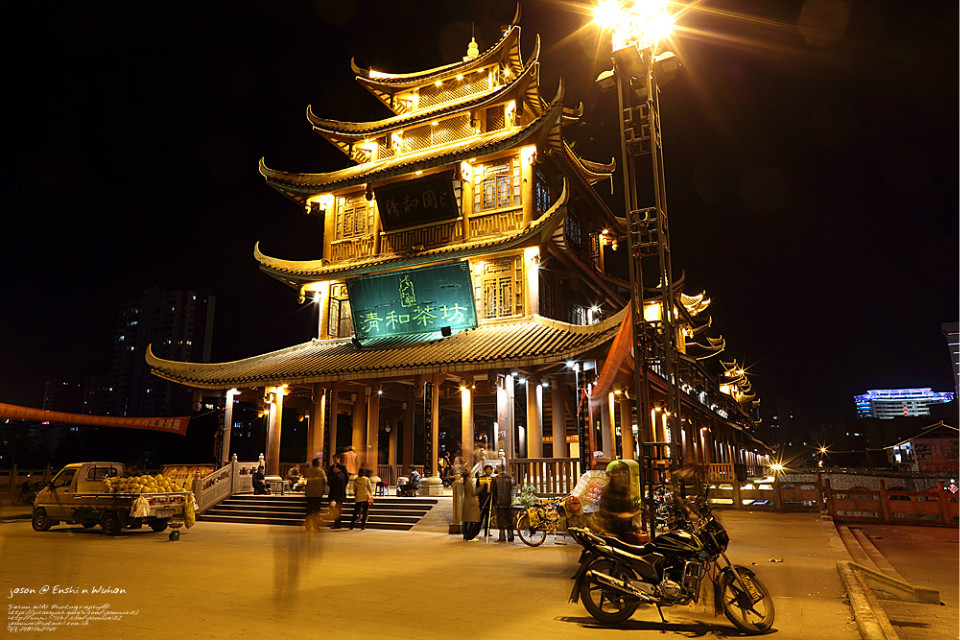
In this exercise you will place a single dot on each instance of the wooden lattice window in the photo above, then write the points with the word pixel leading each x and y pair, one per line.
pixel 500 290
pixel 543 192
pixel 497 185
pixel 496 118
pixel 354 217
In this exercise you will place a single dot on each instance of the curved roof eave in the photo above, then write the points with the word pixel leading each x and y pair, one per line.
pixel 508 44
pixel 313 183
pixel 351 131
pixel 524 342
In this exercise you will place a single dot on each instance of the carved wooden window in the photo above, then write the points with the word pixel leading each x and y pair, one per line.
pixel 572 228
pixel 543 192
pixel 501 288
pixel 495 118
pixel 340 321
pixel 354 217
pixel 497 186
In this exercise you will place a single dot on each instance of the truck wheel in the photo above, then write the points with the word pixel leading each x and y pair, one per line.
pixel 158 525
pixel 88 524
pixel 110 523
pixel 41 522
pixel 175 535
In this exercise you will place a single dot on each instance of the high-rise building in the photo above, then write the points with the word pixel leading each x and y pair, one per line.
pixel 892 403
pixel 951 331
pixel 62 396
pixel 179 325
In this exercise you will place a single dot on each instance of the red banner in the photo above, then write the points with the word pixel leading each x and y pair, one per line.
pixel 168 424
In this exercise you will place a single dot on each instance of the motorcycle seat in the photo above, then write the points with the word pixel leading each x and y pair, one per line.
pixel 639 550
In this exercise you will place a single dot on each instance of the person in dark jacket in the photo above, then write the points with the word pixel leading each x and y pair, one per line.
pixel 260 482
pixel 337 480
pixel 619 505
pixel 501 495
pixel 316 483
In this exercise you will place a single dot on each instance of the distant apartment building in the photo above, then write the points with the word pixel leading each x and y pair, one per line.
pixel 893 403
pixel 63 396
pixel 179 326
pixel 951 331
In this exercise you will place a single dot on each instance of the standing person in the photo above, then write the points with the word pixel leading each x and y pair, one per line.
pixel 352 464
pixel 483 495
pixel 471 508
pixel 316 482
pixel 338 492
pixel 363 497
pixel 502 499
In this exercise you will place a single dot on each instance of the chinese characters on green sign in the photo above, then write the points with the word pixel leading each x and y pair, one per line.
pixel 414 301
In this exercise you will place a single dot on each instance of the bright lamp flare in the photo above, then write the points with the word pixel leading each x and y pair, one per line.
pixel 642 23
pixel 608 14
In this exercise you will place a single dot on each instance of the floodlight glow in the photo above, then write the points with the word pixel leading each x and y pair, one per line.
pixel 608 14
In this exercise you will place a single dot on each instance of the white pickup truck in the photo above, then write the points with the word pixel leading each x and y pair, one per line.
pixel 79 494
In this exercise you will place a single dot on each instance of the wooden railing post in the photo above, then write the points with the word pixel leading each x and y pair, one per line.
pixel 13 477
pixel 831 504
pixel 944 504
pixel 777 494
pixel 884 502
pixel 820 504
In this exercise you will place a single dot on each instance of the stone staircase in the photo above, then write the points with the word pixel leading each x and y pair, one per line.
pixel 387 512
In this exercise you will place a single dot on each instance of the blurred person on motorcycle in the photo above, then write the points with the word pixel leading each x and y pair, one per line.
pixel 619 509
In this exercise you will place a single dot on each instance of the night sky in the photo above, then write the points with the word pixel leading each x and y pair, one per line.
pixel 811 162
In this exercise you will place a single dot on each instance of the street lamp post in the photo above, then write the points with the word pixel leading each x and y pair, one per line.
pixel 638 64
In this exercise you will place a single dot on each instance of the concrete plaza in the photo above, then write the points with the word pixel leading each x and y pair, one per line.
pixel 275 582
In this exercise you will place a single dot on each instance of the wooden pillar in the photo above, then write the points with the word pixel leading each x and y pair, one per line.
pixel 626 427
pixel 372 453
pixel 359 416
pixel 227 426
pixel 558 411
pixel 273 432
pixel 608 437
pixel 392 447
pixel 534 417
pixel 531 289
pixel 408 420
pixel 466 425
pixel 528 156
pixel 334 420
pixel 437 381
pixel 317 424
pixel 466 196
pixel 505 420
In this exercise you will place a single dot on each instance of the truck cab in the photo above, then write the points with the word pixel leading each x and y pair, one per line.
pixel 76 478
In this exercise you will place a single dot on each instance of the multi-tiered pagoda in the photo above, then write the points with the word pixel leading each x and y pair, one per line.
pixel 470 281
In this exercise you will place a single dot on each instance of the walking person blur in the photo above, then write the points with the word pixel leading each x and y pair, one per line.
pixel 316 483
pixel 483 495
pixel 502 499
pixel 363 497
pixel 471 508
pixel 338 492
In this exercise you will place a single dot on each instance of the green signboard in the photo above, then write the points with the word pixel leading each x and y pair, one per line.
pixel 412 301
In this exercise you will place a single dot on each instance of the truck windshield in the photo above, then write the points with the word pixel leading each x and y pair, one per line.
pixel 64 478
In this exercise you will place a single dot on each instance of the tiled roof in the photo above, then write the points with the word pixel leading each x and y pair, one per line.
pixel 507 46
pixel 525 342
pixel 311 183
pixel 336 129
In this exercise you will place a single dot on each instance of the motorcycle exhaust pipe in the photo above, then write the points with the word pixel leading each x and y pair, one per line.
pixel 620 585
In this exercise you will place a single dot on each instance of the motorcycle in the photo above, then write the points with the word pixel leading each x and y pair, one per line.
pixel 615 578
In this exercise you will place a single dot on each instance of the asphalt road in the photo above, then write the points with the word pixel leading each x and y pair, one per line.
pixel 248 581
pixel 928 557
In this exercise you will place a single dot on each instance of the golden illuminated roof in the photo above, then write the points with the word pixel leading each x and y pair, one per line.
pixel 345 134
pixel 297 272
pixel 521 342
pixel 301 186
pixel 506 52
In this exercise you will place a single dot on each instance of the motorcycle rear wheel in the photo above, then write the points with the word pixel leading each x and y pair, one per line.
pixel 752 618
pixel 604 603
pixel 530 535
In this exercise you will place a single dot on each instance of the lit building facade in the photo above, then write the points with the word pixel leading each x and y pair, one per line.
pixel 893 403
pixel 472 289
pixel 951 332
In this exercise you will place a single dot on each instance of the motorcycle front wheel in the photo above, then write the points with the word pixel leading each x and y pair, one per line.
pixel 604 603
pixel 738 604
pixel 528 534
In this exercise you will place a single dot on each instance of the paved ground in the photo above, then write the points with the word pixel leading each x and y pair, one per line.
pixel 928 557
pixel 247 581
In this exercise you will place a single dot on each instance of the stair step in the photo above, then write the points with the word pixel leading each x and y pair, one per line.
pixel 255 520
